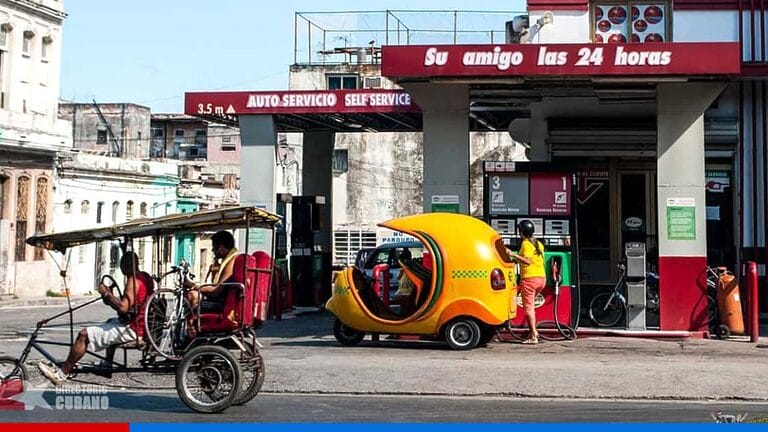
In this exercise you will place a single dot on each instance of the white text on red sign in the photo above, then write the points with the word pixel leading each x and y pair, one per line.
pixel 321 100
pixel 586 56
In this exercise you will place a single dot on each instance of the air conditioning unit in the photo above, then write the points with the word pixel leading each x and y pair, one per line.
pixel 372 82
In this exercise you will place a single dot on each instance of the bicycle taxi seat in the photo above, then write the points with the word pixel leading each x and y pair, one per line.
pixel 247 297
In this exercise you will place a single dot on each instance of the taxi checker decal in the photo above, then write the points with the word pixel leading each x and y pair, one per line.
pixel 469 274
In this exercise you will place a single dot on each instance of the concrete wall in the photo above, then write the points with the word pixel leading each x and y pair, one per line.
pixel 223 144
pixel 129 123
pixel 385 170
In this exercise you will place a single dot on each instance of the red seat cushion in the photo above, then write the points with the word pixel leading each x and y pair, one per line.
pixel 242 308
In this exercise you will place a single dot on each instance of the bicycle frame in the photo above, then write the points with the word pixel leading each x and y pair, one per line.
pixel 34 343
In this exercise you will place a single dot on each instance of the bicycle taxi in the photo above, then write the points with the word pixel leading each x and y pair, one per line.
pixel 216 366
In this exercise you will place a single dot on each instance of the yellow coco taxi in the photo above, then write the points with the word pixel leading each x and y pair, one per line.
pixel 462 288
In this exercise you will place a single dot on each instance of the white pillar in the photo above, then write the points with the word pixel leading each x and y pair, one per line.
pixel 445 111
pixel 681 201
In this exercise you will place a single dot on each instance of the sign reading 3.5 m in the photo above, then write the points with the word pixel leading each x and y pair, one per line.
pixel 508 194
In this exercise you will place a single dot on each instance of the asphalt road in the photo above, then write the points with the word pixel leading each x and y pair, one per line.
pixel 167 407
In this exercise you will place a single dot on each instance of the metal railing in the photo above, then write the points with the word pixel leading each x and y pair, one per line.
pixel 356 37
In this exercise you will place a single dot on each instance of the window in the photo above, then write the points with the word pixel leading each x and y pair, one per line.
pixel 26 46
pixel 628 21
pixel 347 243
pixel 22 209
pixel 340 161
pixel 2 194
pixel 226 144
pixel 101 136
pixel 5 30
pixel 41 212
pixel 142 251
pixel 115 207
pixel 84 207
pixel 45 48
pixel 345 82
pixel 179 133
pixel 143 210
pixel 99 208
pixel 68 206
pixel 201 137
pixel 129 211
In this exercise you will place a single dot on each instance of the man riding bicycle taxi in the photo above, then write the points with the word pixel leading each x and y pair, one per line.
pixel 126 327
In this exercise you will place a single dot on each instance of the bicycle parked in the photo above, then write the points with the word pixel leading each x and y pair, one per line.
pixel 608 309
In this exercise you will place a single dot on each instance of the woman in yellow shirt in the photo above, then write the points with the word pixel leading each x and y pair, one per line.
pixel 532 276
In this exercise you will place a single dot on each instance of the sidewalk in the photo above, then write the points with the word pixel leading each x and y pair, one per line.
pixel 10 302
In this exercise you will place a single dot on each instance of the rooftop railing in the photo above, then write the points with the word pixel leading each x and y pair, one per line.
pixel 357 37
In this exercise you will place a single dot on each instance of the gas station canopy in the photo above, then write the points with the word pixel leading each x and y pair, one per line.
pixel 297 111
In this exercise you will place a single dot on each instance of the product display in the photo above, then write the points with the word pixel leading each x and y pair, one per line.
pixel 646 24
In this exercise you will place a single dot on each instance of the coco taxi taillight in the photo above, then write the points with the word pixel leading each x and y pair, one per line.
pixel 497 280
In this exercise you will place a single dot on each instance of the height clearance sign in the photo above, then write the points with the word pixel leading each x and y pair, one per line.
pixel 722 58
pixel 299 102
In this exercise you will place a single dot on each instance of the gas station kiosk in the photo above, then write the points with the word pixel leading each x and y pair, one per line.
pixel 543 194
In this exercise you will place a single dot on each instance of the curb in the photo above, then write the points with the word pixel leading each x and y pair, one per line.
pixel 45 301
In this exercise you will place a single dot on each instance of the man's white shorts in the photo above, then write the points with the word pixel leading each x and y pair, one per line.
pixel 111 332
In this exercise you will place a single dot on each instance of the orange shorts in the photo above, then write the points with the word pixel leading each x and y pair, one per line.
pixel 529 288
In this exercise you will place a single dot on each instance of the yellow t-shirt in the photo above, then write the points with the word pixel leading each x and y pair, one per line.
pixel 536 268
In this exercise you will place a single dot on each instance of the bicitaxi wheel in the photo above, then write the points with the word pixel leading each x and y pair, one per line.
pixel 208 379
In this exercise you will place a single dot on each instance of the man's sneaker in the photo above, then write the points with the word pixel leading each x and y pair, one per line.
pixel 53 373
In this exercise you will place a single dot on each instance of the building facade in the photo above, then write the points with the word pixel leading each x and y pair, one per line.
pixel 31 134
pixel 95 191
pixel 113 129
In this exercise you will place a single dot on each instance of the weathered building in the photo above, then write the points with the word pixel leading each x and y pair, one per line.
pixel 30 136
pixel 114 129
pixel 178 136
pixel 96 190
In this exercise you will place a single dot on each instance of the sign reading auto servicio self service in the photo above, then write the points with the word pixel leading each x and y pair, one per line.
pixel 297 102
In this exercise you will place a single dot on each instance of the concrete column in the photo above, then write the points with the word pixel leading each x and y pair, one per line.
pixel 445 110
pixel 317 179
pixel 258 136
pixel 681 202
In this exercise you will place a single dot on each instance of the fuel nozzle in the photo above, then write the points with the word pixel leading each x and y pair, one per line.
pixel 555 267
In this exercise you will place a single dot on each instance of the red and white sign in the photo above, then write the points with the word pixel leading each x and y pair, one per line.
pixel 550 194
pixel 716 58
pixel 298 102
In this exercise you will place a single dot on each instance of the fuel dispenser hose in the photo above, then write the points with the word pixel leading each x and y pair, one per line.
pixel 566 332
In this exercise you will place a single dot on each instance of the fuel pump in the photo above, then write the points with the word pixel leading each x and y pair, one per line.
pixel 544 194
pixel 310 259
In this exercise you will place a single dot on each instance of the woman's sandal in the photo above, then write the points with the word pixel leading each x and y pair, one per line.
pixel 531 341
